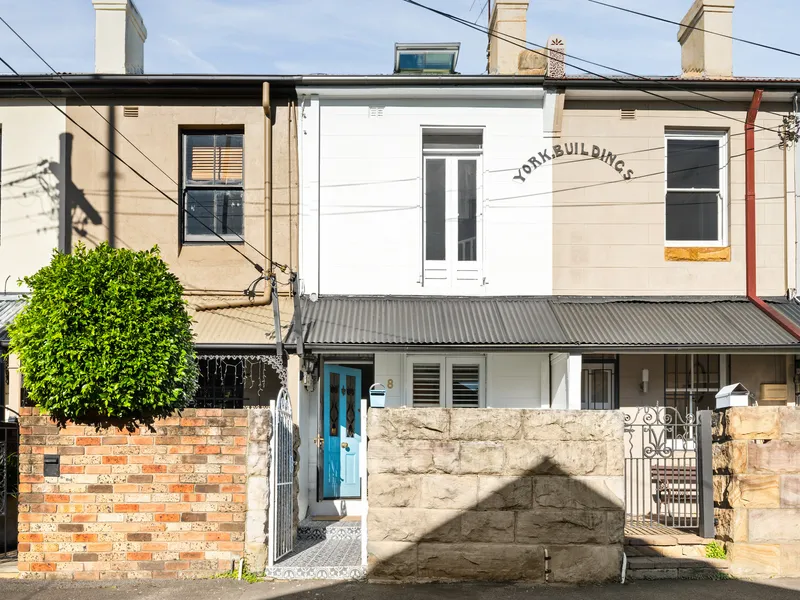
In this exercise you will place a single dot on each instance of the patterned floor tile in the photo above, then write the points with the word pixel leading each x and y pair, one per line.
pixel 321 559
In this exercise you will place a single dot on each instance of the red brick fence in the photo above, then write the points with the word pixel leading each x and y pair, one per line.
pixel 163 503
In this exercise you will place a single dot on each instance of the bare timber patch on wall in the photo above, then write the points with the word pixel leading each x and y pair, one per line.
pixel 573 149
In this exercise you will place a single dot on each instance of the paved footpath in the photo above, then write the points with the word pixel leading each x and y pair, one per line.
pixel 784 589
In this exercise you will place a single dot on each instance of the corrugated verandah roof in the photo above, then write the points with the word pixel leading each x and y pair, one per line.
pixel 544 321
pixel 10 306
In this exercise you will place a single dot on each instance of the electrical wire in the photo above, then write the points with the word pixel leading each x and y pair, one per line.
pixel 282 267
pixel 258 267
pixel 634 178
pixel 663 20
pixel 507 38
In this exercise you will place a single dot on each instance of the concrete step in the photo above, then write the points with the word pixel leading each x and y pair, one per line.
pixel 686 539
pixel 663 567
pixel 677 551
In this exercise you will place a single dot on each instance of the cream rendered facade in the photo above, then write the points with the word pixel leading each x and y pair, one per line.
pixel 609 233
pixel 32 152
pixel 33 149
pixel 610 230
pixel 214 274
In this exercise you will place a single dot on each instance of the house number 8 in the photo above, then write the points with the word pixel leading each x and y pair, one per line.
pixel 390 384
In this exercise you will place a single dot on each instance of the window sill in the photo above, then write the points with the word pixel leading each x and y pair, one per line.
pixel 212 240
pixel 697 254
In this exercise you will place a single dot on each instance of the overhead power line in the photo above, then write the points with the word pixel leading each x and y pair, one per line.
pixel 258 267
pixel 626 84
pixel 663 20
pixel 282 267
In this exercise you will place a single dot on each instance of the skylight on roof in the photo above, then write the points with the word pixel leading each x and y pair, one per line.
pixel 426 58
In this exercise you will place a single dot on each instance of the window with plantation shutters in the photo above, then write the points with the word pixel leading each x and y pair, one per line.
pixel 441 381
pixel 465 385
pixel 426 387
pixel 213 186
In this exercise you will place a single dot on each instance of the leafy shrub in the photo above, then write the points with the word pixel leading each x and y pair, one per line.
pixel 105 337
pixel 715 550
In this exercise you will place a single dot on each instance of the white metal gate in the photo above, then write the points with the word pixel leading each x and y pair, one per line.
pixel 281 501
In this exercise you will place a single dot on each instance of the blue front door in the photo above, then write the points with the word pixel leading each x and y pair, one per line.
pixel 342 432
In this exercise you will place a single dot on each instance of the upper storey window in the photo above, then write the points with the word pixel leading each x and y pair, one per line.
pixel 697 188
pixel 213 186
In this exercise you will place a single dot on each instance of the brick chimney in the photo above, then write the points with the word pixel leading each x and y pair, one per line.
pixel 704 54
pixel 508 19
pixel 119 37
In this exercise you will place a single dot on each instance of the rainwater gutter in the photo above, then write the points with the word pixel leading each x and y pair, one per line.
pixel 750 218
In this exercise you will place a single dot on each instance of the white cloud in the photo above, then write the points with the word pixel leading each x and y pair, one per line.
pixel 185 54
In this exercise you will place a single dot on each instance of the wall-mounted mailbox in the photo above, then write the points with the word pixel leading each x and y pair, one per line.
pixel 733 395
pixel 52 465
pixel 377 395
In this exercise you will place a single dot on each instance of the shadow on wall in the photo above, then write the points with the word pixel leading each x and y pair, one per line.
pixel 495 495
pixel 541 525
pixel 77 211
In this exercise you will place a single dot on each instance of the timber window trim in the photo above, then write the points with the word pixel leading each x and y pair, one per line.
pixel 212 185
pixel 446 381
pixel 452 205
pixel 687 189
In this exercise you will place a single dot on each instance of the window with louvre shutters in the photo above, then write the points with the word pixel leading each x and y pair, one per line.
pixel 213 186
pixel 426 386
pixel 451 382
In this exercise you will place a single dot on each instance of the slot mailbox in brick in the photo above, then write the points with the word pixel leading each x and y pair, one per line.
pixel 163 503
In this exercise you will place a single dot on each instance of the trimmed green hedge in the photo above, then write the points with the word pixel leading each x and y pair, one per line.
pixel 105 335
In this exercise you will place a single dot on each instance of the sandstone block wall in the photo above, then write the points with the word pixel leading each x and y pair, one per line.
pixel 481 494
pixel 757 489
pixel 166 503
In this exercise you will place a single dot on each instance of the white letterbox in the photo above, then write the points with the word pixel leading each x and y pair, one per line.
pixel 733 395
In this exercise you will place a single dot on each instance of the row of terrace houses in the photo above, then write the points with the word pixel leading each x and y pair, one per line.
pixel 517 239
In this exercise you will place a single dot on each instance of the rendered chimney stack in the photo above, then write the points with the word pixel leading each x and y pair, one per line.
pixel 508 24
pixel 704 54
pixel 118 38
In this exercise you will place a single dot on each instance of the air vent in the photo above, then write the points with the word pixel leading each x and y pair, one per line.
pixel 627 114
pixel 376 112
pixel 130 111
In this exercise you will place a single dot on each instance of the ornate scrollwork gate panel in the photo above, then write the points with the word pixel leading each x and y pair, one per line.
pixel 662 475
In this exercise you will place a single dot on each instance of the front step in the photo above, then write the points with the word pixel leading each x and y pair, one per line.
pixel 343 529
pixel 662 567
pixel 660 552
pixel 323 550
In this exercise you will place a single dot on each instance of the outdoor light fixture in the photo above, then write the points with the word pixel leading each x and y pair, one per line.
pixel 310 373
pixel 645 380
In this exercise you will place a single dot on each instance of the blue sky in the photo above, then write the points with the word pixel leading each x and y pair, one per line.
pixel 357 36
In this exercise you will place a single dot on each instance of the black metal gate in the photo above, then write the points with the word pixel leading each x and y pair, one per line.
pixel 9 487
pixel 668 477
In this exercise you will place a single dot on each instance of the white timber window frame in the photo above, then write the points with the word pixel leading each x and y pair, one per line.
pixel 681 167
pixel 445 381
pixel 452 204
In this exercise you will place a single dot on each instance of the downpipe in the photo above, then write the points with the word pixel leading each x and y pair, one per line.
pixel 750 218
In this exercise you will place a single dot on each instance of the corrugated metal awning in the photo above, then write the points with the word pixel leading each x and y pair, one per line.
pixel 238 326
pixel 10 307
pixel 556 322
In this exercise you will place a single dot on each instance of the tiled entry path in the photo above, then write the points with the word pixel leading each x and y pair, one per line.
pixel 323 550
